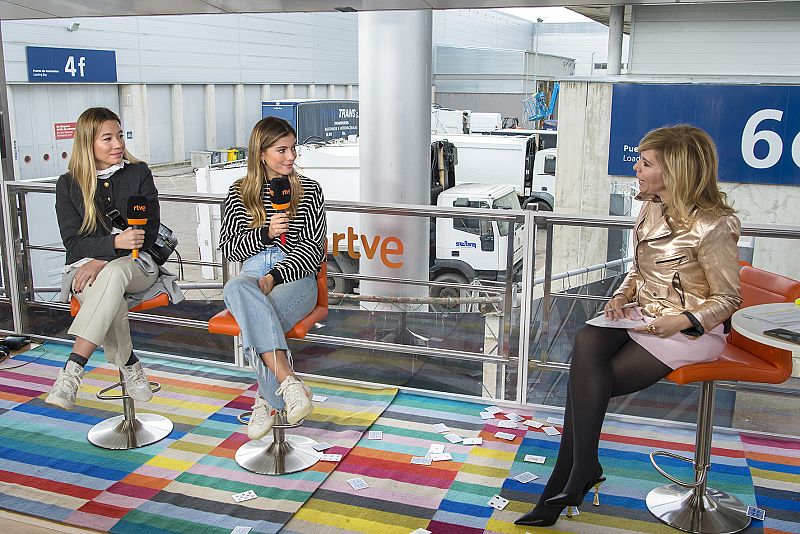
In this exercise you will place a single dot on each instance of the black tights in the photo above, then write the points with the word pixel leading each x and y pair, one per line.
pixel 606 363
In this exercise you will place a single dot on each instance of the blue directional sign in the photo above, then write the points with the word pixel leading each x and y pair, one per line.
pixel 70 65
pixel 756 127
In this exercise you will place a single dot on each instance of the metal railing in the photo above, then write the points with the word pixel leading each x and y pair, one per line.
pixel 23 280
pixel 20 290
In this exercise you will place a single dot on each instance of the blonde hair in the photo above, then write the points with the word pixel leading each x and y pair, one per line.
pixel 265 133
pixel 689 166
pixel 82 163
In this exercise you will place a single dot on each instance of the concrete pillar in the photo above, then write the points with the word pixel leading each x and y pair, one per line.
pixel 265 92
pixel 616 23
pixel 312 90
pixel 289 90
pixel 331 91
pixel 238 119
pixel 348 92
pixel 211 117
pixel 178 138
pixel 394 65
pixel 134 119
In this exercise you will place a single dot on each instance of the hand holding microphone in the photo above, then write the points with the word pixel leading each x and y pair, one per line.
pixel 280 195
pixel 137 220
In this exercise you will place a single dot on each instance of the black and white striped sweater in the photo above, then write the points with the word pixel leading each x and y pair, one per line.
pixel 304 240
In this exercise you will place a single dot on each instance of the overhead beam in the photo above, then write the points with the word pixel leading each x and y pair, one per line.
pixel 36 9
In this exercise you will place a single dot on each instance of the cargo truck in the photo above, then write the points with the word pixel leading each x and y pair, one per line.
pixel 507 160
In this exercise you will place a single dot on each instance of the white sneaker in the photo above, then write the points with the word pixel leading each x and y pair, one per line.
pixel 261 419
pixel 136 383
pixel 298 399
pixel 65 388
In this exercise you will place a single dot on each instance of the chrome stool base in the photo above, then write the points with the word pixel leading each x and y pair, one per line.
pixel 129 430
pixel 121 433
pixel 268 457
pixel 278 454
pixel 719 512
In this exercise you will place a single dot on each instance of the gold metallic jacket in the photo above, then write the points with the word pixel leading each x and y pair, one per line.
pixel 693 267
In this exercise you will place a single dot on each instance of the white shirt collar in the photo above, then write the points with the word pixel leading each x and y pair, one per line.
pixel 106 173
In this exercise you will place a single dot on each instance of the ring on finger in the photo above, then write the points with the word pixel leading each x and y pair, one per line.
pixel 651 328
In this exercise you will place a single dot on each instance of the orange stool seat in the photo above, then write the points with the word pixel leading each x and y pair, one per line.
pixel 693 506
pixel 224 322
pixel 162 299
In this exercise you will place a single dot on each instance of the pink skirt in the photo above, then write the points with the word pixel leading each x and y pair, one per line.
pixel 679 350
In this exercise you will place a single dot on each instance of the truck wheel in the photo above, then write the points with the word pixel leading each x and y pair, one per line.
pixel 335 284
pixel 451 292
pixel 543 206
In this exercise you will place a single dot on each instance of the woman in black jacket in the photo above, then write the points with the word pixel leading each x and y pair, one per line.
pixel 99 268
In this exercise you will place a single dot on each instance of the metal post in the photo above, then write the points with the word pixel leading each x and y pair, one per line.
pixel 616 22
pixel 8 208
pixel 528 274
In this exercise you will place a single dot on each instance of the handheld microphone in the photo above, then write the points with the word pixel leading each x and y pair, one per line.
pixel 137 216
pixel 280 194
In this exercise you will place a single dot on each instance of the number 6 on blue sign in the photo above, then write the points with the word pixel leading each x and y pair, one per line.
pixel 70 66
pixel 750 137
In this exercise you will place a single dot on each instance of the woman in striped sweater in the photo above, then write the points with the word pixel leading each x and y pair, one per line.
pixel 277 285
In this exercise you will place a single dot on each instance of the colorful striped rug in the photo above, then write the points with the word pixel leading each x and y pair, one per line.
pixel 452 496
pixel 181 484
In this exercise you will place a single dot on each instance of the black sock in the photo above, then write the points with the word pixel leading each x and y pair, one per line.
pixel 77 358
pixel 132 360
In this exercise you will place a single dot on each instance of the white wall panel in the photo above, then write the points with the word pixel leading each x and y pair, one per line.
pixel 731 39
pixel 487 28
pixel 224 107
pixel 36 109
pixel 194 129
pixel 159 121
pixel 252 108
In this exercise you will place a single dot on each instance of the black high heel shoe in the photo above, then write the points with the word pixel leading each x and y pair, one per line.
pixel 575 499
pixel 542 515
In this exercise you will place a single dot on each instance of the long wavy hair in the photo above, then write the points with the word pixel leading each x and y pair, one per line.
pixel 82 163
pixel 265 133
pixel 689 167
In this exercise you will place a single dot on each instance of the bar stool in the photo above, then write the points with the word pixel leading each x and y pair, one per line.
pixel 693 506
pixel 279 454
pixel 129 430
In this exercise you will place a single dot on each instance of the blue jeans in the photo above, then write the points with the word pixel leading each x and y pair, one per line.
pixel 264 319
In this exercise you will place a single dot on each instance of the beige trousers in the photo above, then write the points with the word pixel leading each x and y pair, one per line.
pixel 103 317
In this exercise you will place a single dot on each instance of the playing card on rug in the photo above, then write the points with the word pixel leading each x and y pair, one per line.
pixel 357 483
pixel 244 496
pixel 525 477
pixel 498 502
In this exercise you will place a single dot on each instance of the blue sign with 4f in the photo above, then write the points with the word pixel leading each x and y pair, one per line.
pixel 71 65
pixel 756 128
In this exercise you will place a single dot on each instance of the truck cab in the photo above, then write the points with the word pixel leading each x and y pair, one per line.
pixel 506 160
pixel 472 248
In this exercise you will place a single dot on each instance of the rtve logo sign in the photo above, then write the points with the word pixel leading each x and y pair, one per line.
pixel 389 246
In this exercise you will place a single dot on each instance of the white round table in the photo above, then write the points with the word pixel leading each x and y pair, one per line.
pixel 743 321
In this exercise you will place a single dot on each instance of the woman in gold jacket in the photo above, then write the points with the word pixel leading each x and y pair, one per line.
pixel 683 286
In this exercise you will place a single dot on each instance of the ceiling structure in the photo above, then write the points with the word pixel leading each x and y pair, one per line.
pixel 601 14
pixel 37 9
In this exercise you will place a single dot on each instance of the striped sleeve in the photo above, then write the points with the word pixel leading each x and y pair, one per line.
pixel 305 238
pixel 237 240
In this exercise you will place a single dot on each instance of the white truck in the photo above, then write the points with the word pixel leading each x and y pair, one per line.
pixel 461 249
pixel 508 160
